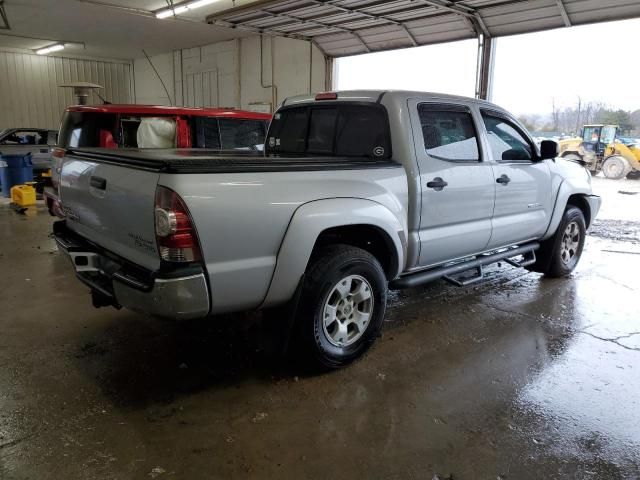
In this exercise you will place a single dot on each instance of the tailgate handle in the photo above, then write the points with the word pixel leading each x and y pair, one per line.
pixel 44 150
pixel 99 183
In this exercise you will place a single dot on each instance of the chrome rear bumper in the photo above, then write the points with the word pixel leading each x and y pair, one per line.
pixel 176 294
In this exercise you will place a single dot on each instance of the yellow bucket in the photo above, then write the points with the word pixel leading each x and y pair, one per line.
pixel 23 195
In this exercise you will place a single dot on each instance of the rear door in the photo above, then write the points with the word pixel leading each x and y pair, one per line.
pixel 523 185
pixel 457 183
pixel 112 206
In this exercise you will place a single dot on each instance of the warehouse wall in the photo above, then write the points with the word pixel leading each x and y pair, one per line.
pixel 29 92
pixel 247 73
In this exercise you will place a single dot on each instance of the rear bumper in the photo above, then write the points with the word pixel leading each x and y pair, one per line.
pixel 178 294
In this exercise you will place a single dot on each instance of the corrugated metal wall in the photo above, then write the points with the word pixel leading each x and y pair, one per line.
pixel 29 92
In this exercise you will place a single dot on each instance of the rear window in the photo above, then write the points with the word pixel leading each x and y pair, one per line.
pixel 334 130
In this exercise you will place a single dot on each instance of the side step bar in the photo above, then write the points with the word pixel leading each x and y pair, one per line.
pixel 447 271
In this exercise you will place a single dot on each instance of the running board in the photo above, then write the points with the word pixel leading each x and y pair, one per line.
pixel 449 271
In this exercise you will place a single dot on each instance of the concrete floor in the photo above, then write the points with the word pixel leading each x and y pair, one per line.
pixel 520 377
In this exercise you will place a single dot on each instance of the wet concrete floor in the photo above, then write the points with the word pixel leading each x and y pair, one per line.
pixel 520 377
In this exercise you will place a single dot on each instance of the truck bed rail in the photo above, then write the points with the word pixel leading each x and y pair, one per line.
pixel 207 161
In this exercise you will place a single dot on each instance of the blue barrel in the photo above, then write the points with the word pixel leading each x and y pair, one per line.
pixel 19 170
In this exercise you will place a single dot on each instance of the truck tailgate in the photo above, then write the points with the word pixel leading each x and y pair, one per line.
pixel 112 206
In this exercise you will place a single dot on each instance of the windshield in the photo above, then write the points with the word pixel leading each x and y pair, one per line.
pixel 591 134
pixel 344 130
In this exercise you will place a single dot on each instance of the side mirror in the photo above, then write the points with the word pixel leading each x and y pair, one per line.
pixel 548 149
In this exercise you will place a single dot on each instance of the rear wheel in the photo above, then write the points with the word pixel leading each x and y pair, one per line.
pixel 341 308
pixel 560 254
pixel 616 167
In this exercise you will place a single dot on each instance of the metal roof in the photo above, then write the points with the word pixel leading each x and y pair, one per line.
pixel 349 27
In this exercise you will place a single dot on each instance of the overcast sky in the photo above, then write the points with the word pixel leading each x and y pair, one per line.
pixel 597 62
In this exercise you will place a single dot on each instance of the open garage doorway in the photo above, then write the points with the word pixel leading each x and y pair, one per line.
pixel 445 68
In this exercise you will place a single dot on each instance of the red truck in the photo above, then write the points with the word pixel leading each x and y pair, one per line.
pixel 148 126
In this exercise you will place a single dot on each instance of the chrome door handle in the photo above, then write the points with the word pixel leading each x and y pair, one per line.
pixel 437 184
pixel 503 180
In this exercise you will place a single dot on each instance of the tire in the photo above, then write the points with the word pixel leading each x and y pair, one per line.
pixel 594 173
pixel 559 255
pixel 332 328
pixel 616 167
pixel 633 175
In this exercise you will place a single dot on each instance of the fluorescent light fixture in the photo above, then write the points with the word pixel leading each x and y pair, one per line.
pixel 56 47
pixel 170 12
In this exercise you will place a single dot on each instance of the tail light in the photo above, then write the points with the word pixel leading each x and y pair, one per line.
pixel 56 154
pixel 175 234
pixel 327 96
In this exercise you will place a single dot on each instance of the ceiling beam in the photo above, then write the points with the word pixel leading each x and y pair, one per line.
pixel 564 13
pixel 3 15
pixel 312 23
pixel 372 16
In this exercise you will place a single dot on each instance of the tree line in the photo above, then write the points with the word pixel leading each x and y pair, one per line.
pixel 569 120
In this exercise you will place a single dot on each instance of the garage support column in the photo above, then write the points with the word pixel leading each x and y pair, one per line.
pixel 484 70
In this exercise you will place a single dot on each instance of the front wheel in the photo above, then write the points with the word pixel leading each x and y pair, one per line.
pixel 341 308
pixel 566 246
pixel 616 167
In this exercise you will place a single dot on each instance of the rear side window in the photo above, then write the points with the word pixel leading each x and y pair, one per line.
pixel 239 134
pixel 88 129
pixel 449 133
pixel 507 142
pixel 334 130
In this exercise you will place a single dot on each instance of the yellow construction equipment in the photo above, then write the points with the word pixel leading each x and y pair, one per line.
pixel 600 150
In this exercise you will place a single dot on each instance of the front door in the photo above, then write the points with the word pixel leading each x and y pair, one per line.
pixel 457 184
pixel 523 184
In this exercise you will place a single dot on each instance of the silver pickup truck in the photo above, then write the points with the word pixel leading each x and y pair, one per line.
pixel 357 192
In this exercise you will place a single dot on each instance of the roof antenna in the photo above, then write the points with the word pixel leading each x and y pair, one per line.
pixel 159 77
pixel 104 100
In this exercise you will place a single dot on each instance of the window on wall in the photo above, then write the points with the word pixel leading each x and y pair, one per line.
pixel 449 133
pixel 506 140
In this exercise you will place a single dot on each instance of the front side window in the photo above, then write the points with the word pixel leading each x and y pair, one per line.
pixel 343 130
pixel 449 133
pixel 239 134
pixel 506 140
pixel 608 134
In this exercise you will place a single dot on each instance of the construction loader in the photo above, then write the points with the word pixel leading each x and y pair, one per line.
pixel 599 149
